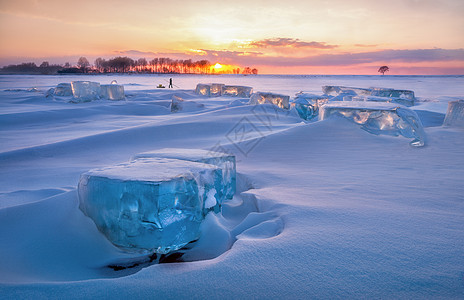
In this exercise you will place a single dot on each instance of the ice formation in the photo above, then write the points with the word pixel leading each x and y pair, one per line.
pixel 379 118
pixel 279 100
pixel 455 114
pixel 405 97
pixel 209 89
pixel 335 90
pixel 85 90
pixel 63 89
pixel 179 104
pixel 237 91
pixel 225 162
pixel 307 105
pixel 403 101
pixel 112 91
pixel 392 93
pixel 150 204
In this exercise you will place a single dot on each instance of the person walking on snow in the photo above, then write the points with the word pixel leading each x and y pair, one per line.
pixel 170 83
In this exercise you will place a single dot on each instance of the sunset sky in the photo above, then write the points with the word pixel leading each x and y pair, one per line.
pixel 277 37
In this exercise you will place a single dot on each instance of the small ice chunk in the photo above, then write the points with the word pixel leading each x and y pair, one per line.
pixel 150 204
pixel 305 109
pixel 279 100
pixel 114 82
pixel 179 104
pixel 85 90
pixel 209 89
pixel 112 91
pixel 63 89
pixel 237 91
pixel 455 114
pixel 307 105
pixel 379 118
pixel 225 162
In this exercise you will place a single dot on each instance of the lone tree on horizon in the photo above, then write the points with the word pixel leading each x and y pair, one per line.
pixel 383 69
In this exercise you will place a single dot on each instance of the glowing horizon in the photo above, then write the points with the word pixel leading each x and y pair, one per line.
pixel 306 37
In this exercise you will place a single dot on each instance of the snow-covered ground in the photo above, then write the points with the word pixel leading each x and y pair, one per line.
pixel 323 209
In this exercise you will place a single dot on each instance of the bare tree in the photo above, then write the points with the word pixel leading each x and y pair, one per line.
pixel 83 63
pixel 383 69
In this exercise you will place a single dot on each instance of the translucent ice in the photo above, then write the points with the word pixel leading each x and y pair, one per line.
pixel 404 97
pixel 335 90
pixel 112 92
pixel 237 91
pixel 179 104
pixel 392 93
pixel 279 100
pixel 306 110
pixel 455 114
pixel 307 105
pixel 379 118
pixel 223 161
pixel 85 90
pixel 150 204
pixel 403 101
pixel 209 90
pixel 63 89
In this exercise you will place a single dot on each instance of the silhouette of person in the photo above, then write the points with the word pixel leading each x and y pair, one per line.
pixel 170 83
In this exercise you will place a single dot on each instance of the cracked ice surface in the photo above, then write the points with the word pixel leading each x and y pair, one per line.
pixel 379 118
pixel 150 204
pixel 223 161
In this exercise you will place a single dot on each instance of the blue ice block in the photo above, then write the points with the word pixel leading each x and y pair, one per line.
pixel 225 162
pixel 307 105
pixel 379 118
pixel 150 204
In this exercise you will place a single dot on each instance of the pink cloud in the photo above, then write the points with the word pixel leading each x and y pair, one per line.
pixel 289 42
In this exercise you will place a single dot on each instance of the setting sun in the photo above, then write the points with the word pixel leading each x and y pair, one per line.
pixel 218 66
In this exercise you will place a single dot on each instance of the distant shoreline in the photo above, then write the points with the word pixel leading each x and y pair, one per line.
pixel 226 75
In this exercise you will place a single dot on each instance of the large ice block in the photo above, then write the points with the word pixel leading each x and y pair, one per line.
pixel 279 100
pixel 237 91
pixel 225 162
pixel 455 114
pixel 406 95
pixel 403 101
pixel 379 118
pixel 209 89
pixel 336 90
pixel 150 204
pixel 63 89
pixel 112 92
pixel 85 90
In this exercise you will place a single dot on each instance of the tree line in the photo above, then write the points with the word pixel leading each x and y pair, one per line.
pixel 127 65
